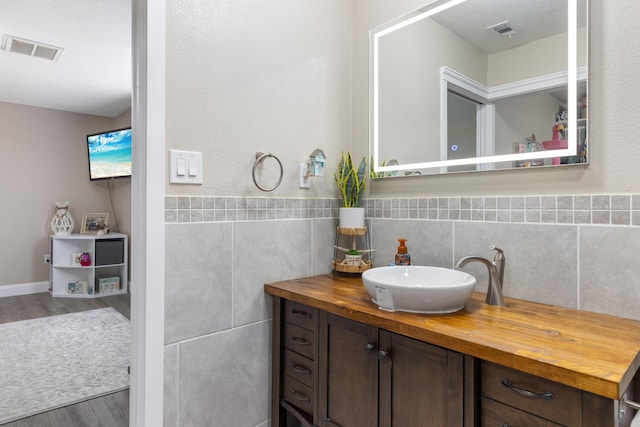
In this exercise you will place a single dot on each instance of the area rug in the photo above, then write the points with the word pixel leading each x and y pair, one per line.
pixel 56 361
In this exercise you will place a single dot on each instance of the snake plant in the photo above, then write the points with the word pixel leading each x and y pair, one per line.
pixel 374 174
pixel 351 181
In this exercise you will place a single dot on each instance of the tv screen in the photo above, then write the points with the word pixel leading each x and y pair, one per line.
pixel 109 154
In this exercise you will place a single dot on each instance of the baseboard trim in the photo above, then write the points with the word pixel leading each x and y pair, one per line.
pixel 23 289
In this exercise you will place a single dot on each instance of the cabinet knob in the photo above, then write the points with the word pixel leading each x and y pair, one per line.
pixel 383 355
pixel 369 347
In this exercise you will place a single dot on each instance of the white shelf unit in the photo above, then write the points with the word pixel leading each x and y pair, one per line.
pixel 109 258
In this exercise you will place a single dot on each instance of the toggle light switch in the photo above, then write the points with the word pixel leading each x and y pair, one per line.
pixel 193 168
pixel 185 167
pixel 181 170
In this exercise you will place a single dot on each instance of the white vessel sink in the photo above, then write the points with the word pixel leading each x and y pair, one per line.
pixel 418 289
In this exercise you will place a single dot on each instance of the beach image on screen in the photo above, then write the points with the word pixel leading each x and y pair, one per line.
pixel 110 154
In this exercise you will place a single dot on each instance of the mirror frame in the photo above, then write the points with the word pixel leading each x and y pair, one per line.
pixel 572 79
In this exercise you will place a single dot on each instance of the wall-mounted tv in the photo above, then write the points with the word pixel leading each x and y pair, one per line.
pixel 109 154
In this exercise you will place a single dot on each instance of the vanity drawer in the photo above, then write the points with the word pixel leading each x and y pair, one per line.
pixel 547 399
pixel 299 340
pixel 297 394
pixel 496 414
pixel 298 367
pixel 300 315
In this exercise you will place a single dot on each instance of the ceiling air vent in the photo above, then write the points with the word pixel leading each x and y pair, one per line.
pixel 31 48
pixel 503 28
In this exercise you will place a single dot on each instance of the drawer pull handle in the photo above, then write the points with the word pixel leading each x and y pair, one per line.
pixel 300 341
pixel 299 396
pixel 301 313
pixel 505 425
pixel 369 347
pixel 547 395
pixel 300 368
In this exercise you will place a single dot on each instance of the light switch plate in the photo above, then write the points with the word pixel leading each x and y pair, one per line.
pixel 185 167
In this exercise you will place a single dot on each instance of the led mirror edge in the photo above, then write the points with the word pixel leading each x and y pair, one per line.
pixel 374 35
pixel 572 111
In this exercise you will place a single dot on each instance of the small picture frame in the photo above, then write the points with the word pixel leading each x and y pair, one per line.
pixel 75 259
pixel 92 223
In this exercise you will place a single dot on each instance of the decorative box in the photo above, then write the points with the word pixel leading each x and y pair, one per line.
pixel 78 287
pixel 107 285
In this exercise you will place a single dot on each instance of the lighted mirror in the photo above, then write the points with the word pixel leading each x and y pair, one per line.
pixel 470 85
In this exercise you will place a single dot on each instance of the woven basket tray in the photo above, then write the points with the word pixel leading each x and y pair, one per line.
pixel 338 266
pixel 352 231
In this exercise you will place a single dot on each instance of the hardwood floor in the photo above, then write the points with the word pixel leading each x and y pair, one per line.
pixel 43 304
pixel 107 411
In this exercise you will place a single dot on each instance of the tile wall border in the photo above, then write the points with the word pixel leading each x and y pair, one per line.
pixel 580 209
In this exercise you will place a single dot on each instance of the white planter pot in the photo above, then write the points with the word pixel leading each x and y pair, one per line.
pixel 352 260
pixel 351 217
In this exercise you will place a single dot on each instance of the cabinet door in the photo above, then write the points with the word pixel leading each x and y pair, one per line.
pixel 348 370
pixel 420 384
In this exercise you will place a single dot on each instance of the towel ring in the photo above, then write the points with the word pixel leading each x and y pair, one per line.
pixel 259 158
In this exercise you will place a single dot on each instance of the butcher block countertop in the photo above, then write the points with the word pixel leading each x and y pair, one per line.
pixel 592 352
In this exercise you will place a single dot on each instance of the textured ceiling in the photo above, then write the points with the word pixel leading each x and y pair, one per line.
pixel 92 76
pixel 530 20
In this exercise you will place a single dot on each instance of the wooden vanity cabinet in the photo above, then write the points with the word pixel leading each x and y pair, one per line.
pixel 330 371
pixel 340 361
pixel 374 377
